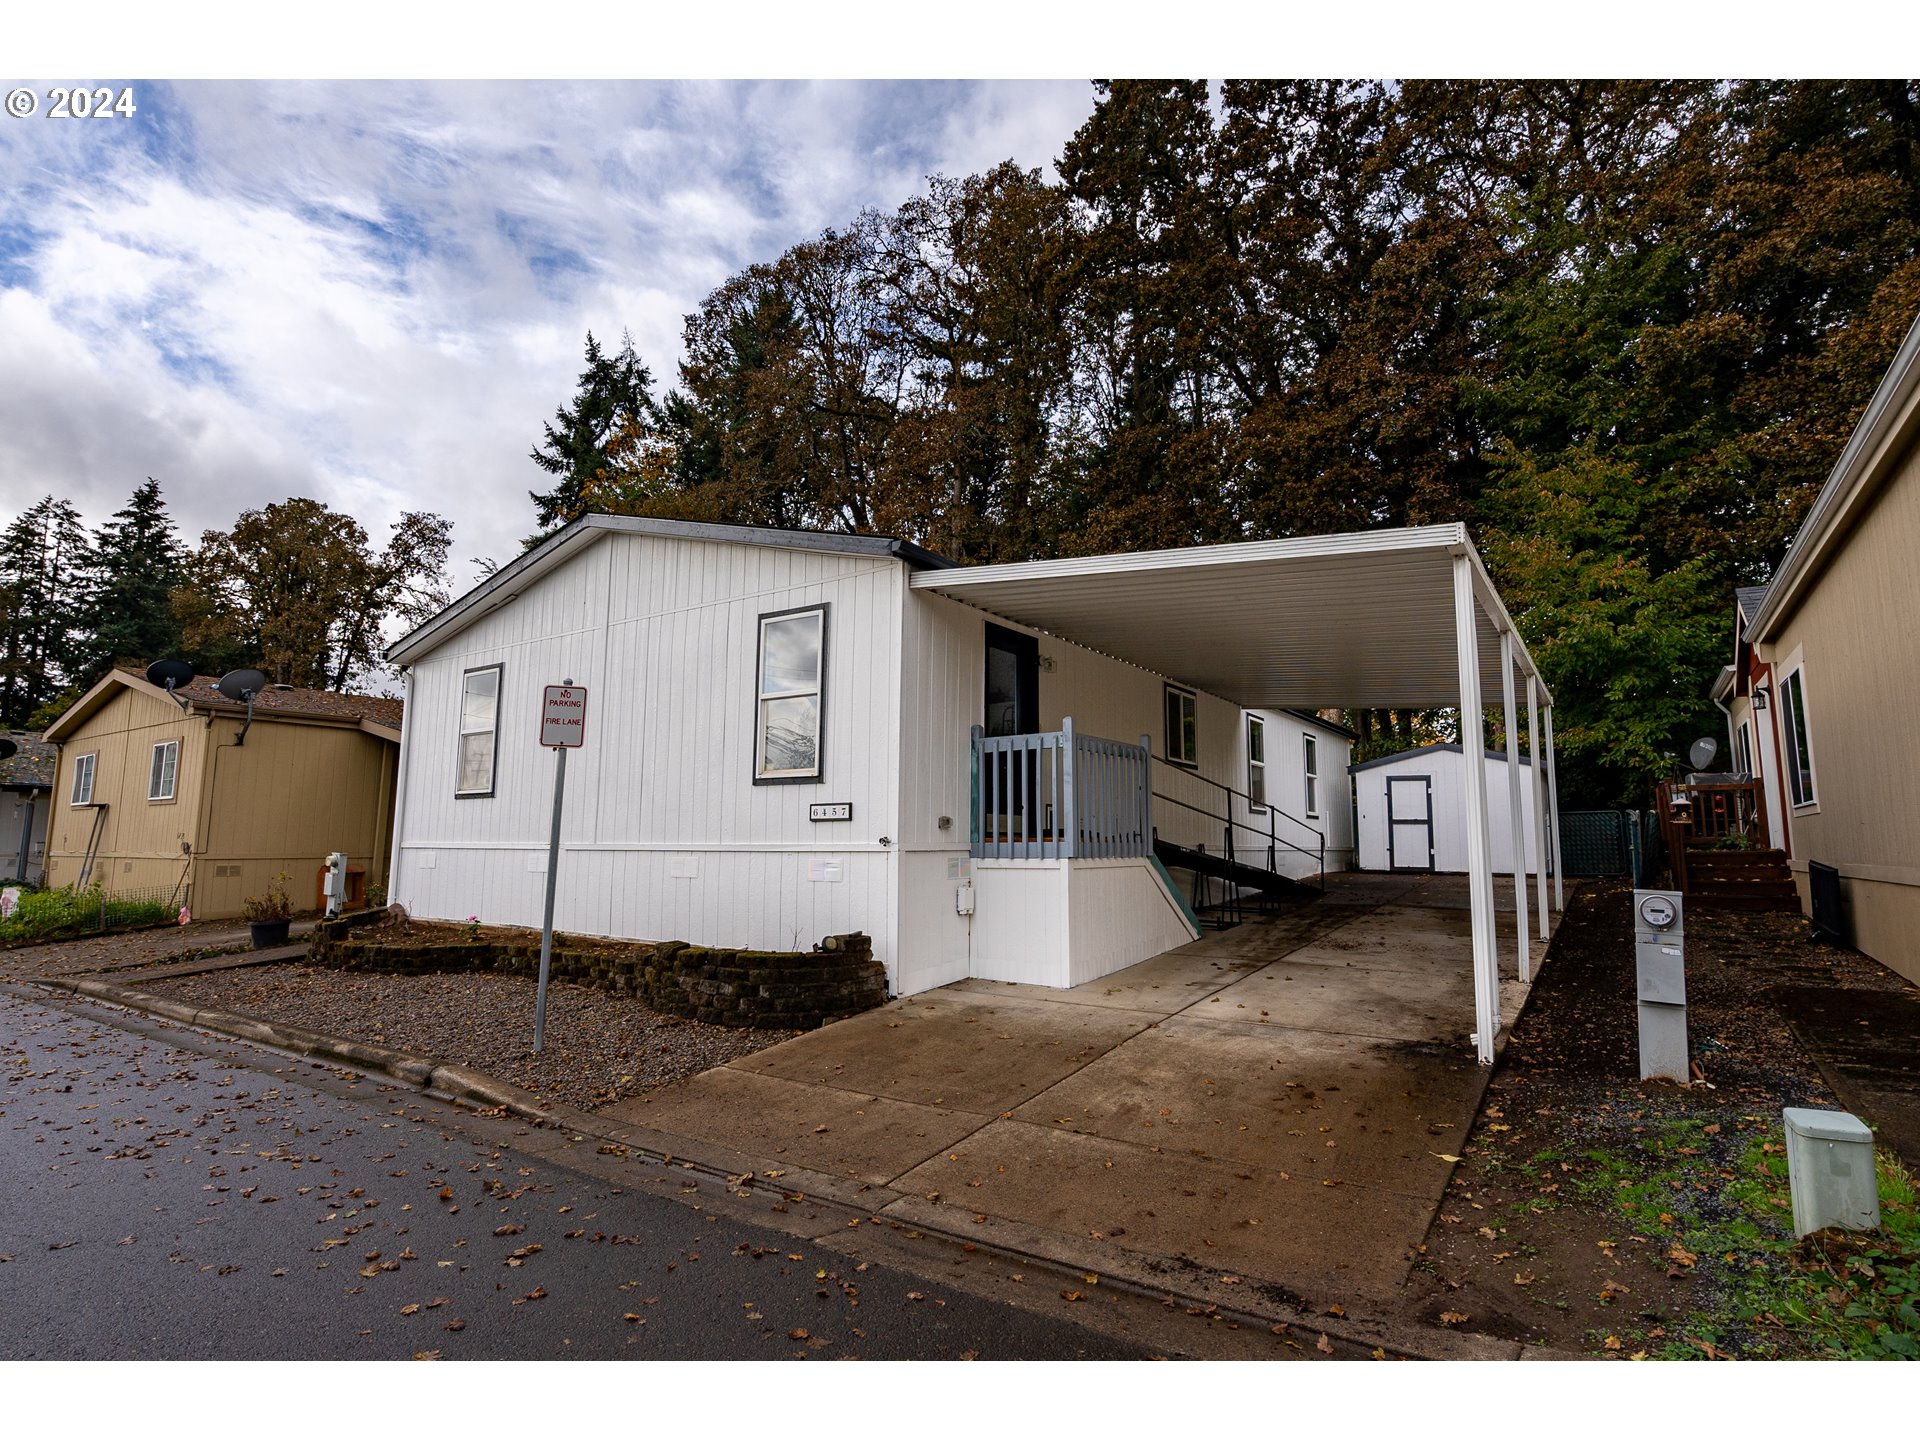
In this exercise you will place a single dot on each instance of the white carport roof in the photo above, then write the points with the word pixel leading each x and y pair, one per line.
pixel 1364 620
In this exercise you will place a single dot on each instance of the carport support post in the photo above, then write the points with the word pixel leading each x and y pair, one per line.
pixel 1516 827
pixel 1473 750
pixel 1553 817
pixel 1539 802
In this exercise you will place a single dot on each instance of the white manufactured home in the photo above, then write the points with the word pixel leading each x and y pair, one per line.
pixel 1014 772
pixel 1410 811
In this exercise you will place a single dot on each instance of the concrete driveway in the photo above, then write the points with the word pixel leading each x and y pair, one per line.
pixel 1278 1102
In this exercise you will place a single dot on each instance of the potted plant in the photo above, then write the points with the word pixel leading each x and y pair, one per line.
pixel 269 915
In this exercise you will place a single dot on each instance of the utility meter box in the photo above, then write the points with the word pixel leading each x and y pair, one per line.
pixel 1660 983
pixel 336 883
pixel 1830 1171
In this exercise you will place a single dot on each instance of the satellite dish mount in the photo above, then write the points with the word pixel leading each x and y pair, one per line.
pixel 172 674
pixel 1702 751
pixel 240 686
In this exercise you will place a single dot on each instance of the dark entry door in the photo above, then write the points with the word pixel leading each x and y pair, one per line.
pixel 1012 708
pixel 1409 822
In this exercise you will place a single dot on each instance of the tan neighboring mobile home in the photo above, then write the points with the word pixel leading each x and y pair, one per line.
pixel 1835 629
pixel 154 797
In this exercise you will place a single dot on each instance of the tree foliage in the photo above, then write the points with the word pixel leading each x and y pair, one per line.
pixel 43 557
pixel 1620 328
pixel 297 590
pixel 614 395
pixel 135 564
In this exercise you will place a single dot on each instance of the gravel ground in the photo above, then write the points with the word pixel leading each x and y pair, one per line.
pixel 160 945
pixel 600 1047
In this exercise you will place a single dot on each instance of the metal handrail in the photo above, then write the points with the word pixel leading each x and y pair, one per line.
pixel 1318 856
pixel 1271 811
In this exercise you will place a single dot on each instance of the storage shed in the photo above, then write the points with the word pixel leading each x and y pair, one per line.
pixel 1411 810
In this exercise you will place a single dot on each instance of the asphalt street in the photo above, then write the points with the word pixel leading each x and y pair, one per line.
pixel 165 1194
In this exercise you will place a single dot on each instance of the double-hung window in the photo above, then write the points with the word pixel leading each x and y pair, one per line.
pixel 1183 727
pixel 479 731
pixel 788 695
pixel 1793 700
pixel 1310 764
pixel 82 792
pixel 1256 762
pixel 164 772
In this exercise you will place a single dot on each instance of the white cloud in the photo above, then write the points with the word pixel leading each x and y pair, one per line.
pixel 374 294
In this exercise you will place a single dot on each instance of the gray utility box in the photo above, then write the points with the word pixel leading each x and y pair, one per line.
pixel 1830 1170
pixel 1660 984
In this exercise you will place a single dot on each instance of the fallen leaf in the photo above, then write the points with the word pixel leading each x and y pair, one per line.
pixel 1453 1317
pixel 426 1354
pixel 1324 1345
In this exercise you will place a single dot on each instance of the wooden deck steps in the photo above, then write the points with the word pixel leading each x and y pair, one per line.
pixel 1740 879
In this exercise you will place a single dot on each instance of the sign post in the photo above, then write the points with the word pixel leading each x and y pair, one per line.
pixel 563 725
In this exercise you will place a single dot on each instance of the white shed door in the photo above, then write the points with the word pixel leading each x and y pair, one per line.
pixel 1409 822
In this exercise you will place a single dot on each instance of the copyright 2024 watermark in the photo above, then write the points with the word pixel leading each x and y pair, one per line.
pixel 72 102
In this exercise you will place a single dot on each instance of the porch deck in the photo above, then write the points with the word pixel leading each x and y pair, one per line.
pixel 1271 1101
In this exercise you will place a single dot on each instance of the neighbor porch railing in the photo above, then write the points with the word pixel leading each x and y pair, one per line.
pixel 1060 795
pixel 1693 815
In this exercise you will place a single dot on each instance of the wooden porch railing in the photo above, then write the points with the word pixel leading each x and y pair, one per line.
pixel 1693 815
pixel 1060 795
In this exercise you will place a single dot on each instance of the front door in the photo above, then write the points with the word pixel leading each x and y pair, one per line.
pixel 1409 822
pixel 1012 708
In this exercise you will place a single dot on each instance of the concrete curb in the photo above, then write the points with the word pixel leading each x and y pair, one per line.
pixel 1027 1244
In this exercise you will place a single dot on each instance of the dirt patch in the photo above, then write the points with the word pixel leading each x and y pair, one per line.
pixel 599 1047
pixel 1580 1213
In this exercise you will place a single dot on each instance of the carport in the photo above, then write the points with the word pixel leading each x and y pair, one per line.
pixel 1404 618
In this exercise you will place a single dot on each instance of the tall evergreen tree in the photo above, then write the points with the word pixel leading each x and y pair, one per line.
pixel 43 555
pixel 615 392
pixel 136 564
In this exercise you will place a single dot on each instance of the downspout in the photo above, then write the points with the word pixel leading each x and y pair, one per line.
pixel 382 836
pixel 26 837
pixel 400 787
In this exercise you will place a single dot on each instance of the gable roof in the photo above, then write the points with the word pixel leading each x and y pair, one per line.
pixel 1451 746
pixel 506 583
pixel 31 766
pixel 1887 427
pixel 378 714
pixel 1748 598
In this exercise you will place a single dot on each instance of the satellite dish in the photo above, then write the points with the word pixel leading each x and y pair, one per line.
pixel 8 749
pixel 240 685
pixel 1702 751
pixel 170 673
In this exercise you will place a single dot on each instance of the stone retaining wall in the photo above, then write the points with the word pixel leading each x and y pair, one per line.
pixel 749 989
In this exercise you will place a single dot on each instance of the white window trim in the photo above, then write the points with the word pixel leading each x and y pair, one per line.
pixel 172 776
pixel 1789 711
pixel 1260 806
pixel 88 764
pixel 1192 698
pixel 818 690
pixel 461 731
pixel 1310 774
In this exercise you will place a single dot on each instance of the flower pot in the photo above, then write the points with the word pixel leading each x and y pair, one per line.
pixel 268 933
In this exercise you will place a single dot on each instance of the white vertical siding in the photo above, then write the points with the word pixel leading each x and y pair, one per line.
pixel 665 835
pixel 1118 914
pixel 1020 929
pixel 1448 773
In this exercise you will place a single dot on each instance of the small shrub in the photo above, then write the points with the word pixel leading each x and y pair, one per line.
pixel 274 904
pixel 51 914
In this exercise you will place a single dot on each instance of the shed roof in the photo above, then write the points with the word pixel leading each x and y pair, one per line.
pixel 1362 620
pixel 30 767
pixel 1450 746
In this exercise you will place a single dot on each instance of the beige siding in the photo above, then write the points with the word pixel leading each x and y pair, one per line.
pixel 282 801
pixel 140 839
pixel 1853 632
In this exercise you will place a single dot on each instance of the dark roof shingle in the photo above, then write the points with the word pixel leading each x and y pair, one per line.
pixel 333 704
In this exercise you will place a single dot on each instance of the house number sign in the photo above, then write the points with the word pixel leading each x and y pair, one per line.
pixel 834 810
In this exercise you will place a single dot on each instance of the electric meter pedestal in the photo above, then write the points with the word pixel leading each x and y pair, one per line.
pixel 1660 976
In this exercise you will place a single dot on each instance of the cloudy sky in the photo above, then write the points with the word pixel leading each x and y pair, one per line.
pixel 373 293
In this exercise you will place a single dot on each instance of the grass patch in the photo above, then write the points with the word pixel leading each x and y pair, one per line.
pixel 54 914
pixel 1723 1212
